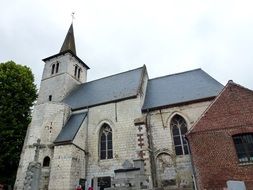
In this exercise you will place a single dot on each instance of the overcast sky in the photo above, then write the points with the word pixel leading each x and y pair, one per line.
pixel 118 35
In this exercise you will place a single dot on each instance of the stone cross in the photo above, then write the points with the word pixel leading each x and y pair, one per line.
pixel 37 146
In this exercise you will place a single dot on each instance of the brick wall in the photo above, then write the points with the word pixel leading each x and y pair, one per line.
pixel 213 150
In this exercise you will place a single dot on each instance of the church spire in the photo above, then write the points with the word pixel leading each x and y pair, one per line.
pixel 69 42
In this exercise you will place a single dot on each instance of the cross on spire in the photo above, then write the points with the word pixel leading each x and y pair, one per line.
pixel 73 16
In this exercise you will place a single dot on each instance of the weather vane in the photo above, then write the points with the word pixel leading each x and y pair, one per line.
pixel 72 15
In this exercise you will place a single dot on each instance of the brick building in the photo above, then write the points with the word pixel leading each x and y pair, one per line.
pixel 221 141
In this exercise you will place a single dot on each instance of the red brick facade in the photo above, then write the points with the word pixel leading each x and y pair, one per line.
pixel 213 150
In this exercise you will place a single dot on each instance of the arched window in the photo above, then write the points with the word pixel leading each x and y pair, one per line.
pixel 75 70
pixel 52 71
pixel 79 73
pixel 50 97
pixel 106 150
pixel 244 147
pixel 57 67
pixel 46 162
pixel 179 128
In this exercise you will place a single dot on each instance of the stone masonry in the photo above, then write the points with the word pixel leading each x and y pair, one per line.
pixel 137 134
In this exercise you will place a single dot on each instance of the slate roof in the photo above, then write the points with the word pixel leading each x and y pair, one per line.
pixel 71 128
pixel 68 46
pixel 190 86
pixel 69 42
pixel 180 88
pixel 109 89
pixel 63 53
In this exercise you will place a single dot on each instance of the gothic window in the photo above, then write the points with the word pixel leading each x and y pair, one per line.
pixel 57 67
pixel 50 97
pixel 179 128
pixel 244 147
pixel 106 150
pixel 52 70
pixel 79 72
pixel 46 162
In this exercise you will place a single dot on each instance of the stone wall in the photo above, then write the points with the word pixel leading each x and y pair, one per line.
pixel 66 65
pixel 143 147
pixel 171 170
pixel 69 162
pixel 47 121
pixel 67 167
pixel 120 116
pixel 80 159
pixel 44 178
pixel 60 84
pixel 121 119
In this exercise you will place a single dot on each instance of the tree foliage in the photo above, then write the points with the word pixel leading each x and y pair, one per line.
pixel 17 95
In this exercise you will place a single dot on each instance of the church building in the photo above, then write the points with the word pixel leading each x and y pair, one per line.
pixel 124 131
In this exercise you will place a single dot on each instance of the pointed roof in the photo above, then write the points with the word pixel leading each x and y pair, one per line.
pixel 233 101
pixel 68 46
pixel 69 42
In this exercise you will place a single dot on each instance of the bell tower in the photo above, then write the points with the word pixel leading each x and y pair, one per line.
pixel 62 72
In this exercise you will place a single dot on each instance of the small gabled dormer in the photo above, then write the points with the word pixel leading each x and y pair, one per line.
pixel 62 72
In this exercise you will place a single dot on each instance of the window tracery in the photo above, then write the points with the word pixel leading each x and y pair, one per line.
pixel 106 149
pixel 179 128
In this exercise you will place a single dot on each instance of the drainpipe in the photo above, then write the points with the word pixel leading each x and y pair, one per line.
pixel 193 168
pixel 86 153
pixel 152 159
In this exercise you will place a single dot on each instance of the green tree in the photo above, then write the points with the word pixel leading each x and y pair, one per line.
pixel 17 95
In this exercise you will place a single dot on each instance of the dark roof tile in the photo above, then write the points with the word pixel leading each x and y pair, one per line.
pixel 69 42
pixel 108 89
pixel 71 128
pixel 180 88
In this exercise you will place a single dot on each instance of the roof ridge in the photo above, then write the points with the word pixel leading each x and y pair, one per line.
pixel 143 72
pixel 212 78
pixel 231 82
pixel 113 75
pixel 179 73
